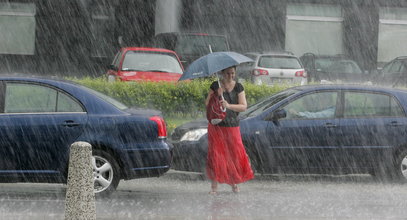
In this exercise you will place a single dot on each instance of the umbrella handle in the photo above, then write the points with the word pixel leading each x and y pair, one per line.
pixel 223 99
pixel 221 108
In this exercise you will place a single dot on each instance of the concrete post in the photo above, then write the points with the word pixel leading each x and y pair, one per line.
pixel 80 196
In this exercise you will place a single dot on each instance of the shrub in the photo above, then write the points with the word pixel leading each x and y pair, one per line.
pixel 185 97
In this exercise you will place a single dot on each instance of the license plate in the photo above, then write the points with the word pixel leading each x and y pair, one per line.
pixel 280 80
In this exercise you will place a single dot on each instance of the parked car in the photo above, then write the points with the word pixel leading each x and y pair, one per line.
pixel 41 118
pixel 272 68
pixel 336 68
pixel 365 133
pixel 191 46
pixel 145 64
pixel 393 73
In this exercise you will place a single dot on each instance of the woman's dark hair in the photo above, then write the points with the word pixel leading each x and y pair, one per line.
pixel 234 67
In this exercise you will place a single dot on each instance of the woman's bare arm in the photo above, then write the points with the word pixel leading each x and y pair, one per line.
pixel 241 107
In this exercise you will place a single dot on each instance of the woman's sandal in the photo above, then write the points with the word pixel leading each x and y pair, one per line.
pixel 214 188
pixel 235 188
pixel 214 193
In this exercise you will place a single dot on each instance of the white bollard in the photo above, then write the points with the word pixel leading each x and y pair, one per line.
pixel 80 196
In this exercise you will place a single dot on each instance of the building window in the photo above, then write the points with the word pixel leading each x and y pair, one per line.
pixel 392 34
pixel 17 28
pixel 314 28
pixel 102 28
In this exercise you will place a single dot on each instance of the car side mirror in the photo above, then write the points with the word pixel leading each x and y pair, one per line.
pixel 276 115
pixel 112 67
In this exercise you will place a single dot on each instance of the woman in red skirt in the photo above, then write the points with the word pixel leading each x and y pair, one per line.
pixel 227 161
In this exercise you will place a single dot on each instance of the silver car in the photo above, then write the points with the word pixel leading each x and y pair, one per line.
pixel 273 68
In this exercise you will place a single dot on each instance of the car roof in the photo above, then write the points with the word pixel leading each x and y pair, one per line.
pixel 190 33
pixel 375 88
pixel 39 79
pixel 339 56
pixel 80 92
pixel 154 49
pixel 279 53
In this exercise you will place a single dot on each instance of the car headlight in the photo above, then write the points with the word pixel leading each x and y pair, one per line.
pixel 194 135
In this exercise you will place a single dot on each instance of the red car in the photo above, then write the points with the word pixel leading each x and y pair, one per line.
pixel 145 64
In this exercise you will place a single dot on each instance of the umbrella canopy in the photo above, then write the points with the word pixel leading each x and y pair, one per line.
pixel 209 64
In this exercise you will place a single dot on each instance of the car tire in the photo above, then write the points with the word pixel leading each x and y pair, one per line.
pixel 401 165
pixel 111 78
pixel 106 173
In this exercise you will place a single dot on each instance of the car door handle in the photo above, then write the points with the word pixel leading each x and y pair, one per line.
pixel 394 124
pixel 330 125
pixel 70 123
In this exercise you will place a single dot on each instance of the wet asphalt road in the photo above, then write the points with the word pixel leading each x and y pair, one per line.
pixel 185 196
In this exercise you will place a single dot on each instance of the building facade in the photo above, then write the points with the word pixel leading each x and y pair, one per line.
pixel 80 37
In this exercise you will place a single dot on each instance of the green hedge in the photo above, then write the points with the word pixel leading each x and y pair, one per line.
pixel 185 97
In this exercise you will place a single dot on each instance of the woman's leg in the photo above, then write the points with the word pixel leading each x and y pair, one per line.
pixel 214 187
pixel 235 188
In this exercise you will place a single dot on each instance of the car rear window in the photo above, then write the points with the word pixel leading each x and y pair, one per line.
pixel 279 62
pixel 106 98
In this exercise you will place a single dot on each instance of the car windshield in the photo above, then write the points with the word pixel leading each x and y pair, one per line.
pixel 337 65
pixel 106 98
pixel 345 66
pixel 199 44
pixel 261 106
pixel 151 61
pixel 279 62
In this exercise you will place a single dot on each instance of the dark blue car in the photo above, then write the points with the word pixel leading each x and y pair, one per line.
pixel 340 129
pixel 41 118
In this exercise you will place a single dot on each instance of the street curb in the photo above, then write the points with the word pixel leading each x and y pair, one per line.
pixel 196 176
pixel 184 175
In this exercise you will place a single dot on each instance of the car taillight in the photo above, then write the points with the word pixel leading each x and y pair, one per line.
pixel 259 72
pixel 162 128
pixel 301 73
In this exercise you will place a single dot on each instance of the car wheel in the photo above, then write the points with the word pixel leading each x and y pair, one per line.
pixel 111 78
pixel 105 173
pixel 401 165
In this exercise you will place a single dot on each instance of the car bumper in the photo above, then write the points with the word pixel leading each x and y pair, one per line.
pixel 148 162
pixel 190 155
pixel 267 80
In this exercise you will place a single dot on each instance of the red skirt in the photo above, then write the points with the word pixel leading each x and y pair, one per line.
pixel 227 161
